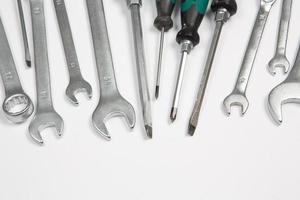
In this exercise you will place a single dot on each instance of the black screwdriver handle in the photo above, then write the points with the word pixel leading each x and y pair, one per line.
pixel 192 13
pixel 165 9
pixel 229 5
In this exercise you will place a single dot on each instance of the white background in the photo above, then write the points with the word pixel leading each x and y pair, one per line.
pixel 228 158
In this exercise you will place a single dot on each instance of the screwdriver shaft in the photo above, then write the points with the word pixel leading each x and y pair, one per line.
pixel 186 48
pixel 205 77
pixel 24 33
pixel 141 66
pixel 161 49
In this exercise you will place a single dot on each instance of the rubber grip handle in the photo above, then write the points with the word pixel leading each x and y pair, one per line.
pixel 229 5
pixel 165 9
pixel 192 13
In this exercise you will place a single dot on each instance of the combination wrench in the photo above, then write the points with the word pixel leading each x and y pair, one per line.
pixel 280 59
pixel 45 115
pixel 286 92
pixel 111 103
pixel 238 95
pixel 77 83
pixel 17 106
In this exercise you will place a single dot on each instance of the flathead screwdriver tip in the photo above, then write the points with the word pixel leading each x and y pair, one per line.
pixel 28 63
pixel 156 92
pixel 191 130
pixel 173 114
pixel 148 131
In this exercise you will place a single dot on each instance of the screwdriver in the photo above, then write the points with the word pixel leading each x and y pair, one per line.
pixel 134 6
pixel 223 9
pixel 163 22
pixel 24 33
pixel 192 13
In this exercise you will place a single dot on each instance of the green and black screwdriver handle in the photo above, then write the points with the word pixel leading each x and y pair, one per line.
pixel 192 14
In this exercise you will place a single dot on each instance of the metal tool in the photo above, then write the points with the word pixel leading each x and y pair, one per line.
pixel 238 95
pixel 77 83
pixel 45 115
pixel 134 6
pixel 224 9
pixel 17 105
pixel 163 22
pixel 24 33
pixel 192 13
pixel 280 59
pixel 111 103
pixel 286 92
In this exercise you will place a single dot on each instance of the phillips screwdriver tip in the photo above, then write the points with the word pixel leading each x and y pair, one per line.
pixel 149 131
pixel 173 114
pixel 156 92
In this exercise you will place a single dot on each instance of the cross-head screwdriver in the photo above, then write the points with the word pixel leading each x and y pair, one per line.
pixel 223 10
pixel 192 14
pixel 163 22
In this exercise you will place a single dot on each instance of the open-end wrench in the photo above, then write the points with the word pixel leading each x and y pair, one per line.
pixel 286 92
pixel 45 115
pixel 77 83
pixel 111 103
pixel 17 106
pixel 280 59
pixel 238 95
pixel 24 34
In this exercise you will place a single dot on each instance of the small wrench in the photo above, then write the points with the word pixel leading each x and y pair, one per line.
pixel 17 106
pixel 77 83
pixel 286 92
pixel 238 95
pixel 280 59
pixel 45 115
pixel 111 103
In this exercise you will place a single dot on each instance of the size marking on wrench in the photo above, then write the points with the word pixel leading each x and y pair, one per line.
pixel 17 106
pixel 286 92
pixel 45 115
pixel 111 103
pixel 77 83
pixel 280 59
pixel 238 95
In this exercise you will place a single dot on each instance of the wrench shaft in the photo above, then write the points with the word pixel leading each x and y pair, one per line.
pixel 8 69
pixel 67 39
pixel 102 48
pixel 284 26
pixel 44 99
pixel 252 49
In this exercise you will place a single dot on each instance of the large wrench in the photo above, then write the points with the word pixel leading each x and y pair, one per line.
pixel 111 103
pixel 17 106
pixel 280 59
pixel 286 92
pixel 238 95
pixel 77 83
pixel 45 115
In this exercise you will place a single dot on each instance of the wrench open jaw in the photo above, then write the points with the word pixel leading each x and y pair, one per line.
pixel 110 108
pixel 77 86
pixel 236 99
pixel 286 92
pixel 279 61
pixel 43 120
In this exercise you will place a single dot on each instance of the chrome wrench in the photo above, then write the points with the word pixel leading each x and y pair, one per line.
pixel 77 83
pixel 111 103
pixel 238 95
pixel 280 59
pixel 45 115
pixel 17 106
